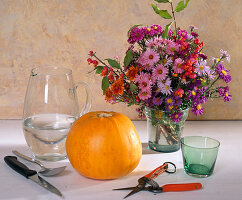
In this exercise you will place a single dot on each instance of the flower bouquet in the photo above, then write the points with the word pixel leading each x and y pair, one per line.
pixel 165 73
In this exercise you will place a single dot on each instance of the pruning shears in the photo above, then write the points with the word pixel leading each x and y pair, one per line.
pixel 154 186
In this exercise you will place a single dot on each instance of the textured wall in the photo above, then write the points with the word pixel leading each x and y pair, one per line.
pixel 61 32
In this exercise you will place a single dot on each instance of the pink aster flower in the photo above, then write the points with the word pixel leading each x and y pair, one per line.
pixel 167 90
pixel 142 60
pixel 167 41
pixel 172 47
pixel 166 61
pixel 211 74
pixel 145 94
pixel 144 82
pixel 163 83
pixel 150 57
pixel 151 43
pixel 224 54
pixel 160 72
pixel 202 68
pixel 159 41
pixel 177 66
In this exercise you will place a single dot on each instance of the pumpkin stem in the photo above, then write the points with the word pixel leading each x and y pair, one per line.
pixel 104 115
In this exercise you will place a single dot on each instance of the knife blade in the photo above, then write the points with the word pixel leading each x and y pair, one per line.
pixel 30 174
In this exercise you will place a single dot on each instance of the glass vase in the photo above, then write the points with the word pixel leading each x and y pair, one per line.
pixel 164 134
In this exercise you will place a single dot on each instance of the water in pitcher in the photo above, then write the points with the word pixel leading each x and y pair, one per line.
pixel 46 135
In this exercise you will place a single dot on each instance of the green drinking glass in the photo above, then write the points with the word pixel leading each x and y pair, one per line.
pixel 199 155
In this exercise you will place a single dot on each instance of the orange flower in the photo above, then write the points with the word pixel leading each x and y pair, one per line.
pixel 132 73
pixel 140 68
pixel 117 87
pixel 108 95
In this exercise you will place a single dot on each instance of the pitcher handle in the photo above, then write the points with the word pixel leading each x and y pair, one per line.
pixel 88 102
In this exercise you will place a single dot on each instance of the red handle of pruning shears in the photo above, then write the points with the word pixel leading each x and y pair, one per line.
pixel 156 172
pixel 181 187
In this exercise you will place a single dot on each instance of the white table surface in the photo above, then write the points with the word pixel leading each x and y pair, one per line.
pixel 224 184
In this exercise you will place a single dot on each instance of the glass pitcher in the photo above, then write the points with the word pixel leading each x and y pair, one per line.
pixel 50 109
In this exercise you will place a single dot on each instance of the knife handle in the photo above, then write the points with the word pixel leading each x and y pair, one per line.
pixel 181 187
pixel 18 166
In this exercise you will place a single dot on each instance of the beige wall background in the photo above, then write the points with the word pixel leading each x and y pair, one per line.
pixel 61 32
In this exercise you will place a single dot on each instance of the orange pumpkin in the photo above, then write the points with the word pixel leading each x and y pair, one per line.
pixel 103 145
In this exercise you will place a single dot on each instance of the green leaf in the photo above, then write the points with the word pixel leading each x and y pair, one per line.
pixel 134 26
pixel 165 33
pixel 181 5
pixel 133 87
pixel 128 58
pixel 105 84
pixel 163 13
pixel 99 69
pixel 187 1
pixel 162 1
pixel 113 63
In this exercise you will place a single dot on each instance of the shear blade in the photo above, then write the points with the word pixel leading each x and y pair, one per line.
pixel 127 188
pixel 135 190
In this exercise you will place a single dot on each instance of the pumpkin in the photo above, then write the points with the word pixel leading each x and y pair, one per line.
pixel 103 145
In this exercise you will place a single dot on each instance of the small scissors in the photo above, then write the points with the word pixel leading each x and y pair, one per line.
pixel 154 186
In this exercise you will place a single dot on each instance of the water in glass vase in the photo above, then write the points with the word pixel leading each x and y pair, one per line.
pixel 46 134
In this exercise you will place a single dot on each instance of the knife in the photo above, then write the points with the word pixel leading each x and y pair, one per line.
pixel 30 174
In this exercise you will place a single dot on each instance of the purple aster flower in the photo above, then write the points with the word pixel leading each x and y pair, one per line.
pixel 170 100
pixel 224 54
pixel 197 109
pixel 135 35
pixel 194 34
pixel 157 29
pixel 203 56
pixel 191 94
pixel 176 116
pixel 202 95
pixel 223 73
pixel 196 83
pixel 224 92
pixel 182 33
pixel 157 101
pixel 214 60
pixel 170 32
pixel 178 100
pixel 169 107
pixel 189 36
pixel 148 31
pixel 192 27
